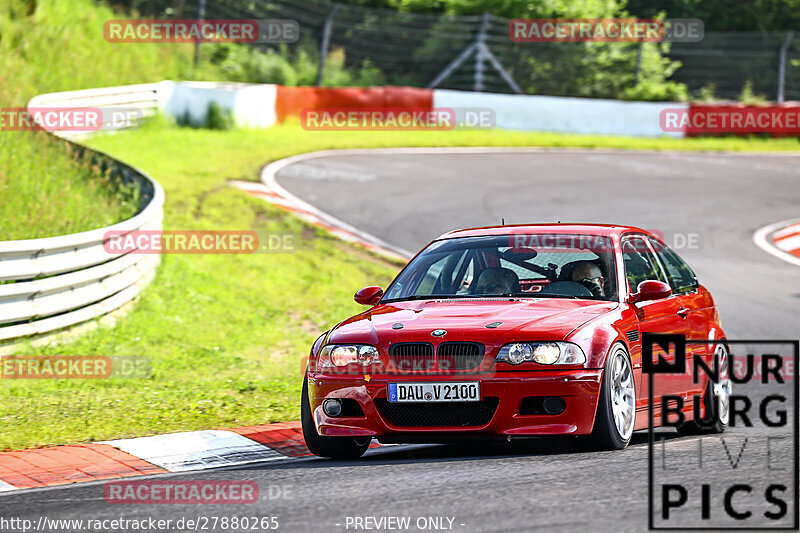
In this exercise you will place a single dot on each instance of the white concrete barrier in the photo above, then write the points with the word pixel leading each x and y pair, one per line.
pixel 252 105
pixel 564 115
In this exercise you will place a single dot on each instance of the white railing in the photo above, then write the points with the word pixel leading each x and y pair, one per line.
pixel 53 283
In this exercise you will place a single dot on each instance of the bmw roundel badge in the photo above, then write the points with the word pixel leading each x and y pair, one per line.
pixel 439 332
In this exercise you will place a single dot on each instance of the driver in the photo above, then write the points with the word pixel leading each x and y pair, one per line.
pixel 590 276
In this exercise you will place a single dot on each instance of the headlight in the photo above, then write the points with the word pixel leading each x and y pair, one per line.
pixel 337 355
pixel 544 353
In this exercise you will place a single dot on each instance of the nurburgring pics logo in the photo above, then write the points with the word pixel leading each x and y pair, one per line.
pixel 736 480
pixel 272 31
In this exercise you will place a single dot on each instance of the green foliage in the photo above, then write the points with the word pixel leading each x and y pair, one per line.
pixel 723 15
pixel 649 90
pixel 706 94
pixel 747 96
pixel 246 63
pixel 718 15
pixel 58 45
pixel 654 69
pixel 218 118
pixel 337 74
pixel 512 8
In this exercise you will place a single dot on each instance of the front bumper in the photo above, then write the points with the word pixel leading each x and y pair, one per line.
pixel 579 389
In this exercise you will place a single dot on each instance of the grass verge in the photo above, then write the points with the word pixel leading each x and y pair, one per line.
pixel 58 45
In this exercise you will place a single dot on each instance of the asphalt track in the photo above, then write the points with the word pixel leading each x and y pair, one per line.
pixel 716 200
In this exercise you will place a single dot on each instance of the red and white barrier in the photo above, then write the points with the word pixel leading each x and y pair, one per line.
pixel 265 105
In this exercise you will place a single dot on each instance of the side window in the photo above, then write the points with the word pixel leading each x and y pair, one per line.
pixel 640 263
pixel 681 277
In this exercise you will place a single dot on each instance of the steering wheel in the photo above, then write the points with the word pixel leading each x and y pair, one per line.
pixel 567 288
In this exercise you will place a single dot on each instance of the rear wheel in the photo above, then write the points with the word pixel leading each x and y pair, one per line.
pixel 333 447
pixel 616 406
pixel 716 399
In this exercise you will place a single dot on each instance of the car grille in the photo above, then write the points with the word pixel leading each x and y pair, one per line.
pixel 441 414
pixel 412 356
pixel 459 355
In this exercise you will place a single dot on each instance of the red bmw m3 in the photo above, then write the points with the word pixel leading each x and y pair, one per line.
pixel 514 331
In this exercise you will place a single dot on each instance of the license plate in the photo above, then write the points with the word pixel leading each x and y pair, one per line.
pixel 451 391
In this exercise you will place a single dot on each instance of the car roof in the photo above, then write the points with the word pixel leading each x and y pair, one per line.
pixel 609 230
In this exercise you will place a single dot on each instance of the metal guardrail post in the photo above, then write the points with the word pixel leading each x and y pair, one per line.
pixel 326 39
pixel 480 53
pixel 201 14
pixel 638 64
pixel 782 67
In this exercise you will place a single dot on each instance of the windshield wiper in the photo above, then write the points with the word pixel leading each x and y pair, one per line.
pixel 477 296
pixel 428 297
pixel 546 295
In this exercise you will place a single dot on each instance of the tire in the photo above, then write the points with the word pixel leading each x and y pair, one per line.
pixel 332 447
pixel 616 405
pixel 716 400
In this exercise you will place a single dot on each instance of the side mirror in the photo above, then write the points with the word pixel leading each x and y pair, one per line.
pixel 368 295
pixel 650 289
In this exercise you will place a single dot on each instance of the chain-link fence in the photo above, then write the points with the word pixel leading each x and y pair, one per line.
pixel 476 53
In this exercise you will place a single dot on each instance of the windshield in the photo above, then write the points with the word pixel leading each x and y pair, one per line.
pixel 539 265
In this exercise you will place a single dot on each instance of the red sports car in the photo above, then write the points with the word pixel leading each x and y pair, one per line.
pixel 513 331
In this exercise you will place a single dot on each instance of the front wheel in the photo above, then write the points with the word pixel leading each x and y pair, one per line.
pixel 616 406
pixel 333 447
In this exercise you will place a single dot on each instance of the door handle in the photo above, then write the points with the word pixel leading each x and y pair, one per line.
pixel 683 311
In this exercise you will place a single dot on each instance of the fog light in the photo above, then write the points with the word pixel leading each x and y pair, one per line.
pixel 554 405
pixel 332 407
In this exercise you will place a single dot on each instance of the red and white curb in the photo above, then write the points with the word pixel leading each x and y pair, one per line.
pixel 788 239
pixel 338 229
pixel 174 452
pixel 781 240
pixel 197 450
pixel 273 193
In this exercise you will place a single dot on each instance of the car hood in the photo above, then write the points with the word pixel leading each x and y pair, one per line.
pixel 467 319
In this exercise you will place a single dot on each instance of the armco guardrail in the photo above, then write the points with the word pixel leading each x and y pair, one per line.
pixel 57 282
